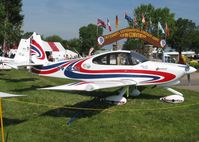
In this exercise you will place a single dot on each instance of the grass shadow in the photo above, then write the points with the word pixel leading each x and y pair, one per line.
pixel 99 94
pixel 1 74
pixel 9 121
pixel 33 87
pixel 19 80
pixel 147 96
pixel 92 108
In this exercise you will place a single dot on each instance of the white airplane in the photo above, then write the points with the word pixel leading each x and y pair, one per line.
pixel 22 57
pixel 7 95
pixel 112 69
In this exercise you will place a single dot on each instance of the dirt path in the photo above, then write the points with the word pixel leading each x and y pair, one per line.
pixel 194 85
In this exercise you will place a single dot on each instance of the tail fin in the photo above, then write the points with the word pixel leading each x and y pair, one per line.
pixel 23 52
pixel 37 53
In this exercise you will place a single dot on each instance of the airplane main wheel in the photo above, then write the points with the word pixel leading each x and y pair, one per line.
pixel 117 100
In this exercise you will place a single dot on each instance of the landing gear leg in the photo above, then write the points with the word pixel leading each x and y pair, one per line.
pixel 173 91
pixel 118 99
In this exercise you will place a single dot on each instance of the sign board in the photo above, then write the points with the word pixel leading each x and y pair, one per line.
pixel 130 33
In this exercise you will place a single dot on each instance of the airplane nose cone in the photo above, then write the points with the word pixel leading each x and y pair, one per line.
pixel 190 70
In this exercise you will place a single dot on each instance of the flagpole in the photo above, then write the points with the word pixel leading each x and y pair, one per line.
pixel 96 36
pixel 158 31
pixel 116 24
pixel 97 28
pixel 97 31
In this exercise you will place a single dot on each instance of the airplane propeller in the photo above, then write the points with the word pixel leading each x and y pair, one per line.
pixel 187 68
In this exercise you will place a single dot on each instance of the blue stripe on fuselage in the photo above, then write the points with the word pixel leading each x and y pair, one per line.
pixel 50 66
pixel 71 73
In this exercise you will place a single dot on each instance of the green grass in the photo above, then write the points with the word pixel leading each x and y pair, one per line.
pixel 43 118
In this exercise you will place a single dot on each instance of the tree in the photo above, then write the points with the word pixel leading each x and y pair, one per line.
pixel 74 44
pixel 195 40
pixel 143 10
pixel 185 36
pixel 2 15
pixel 27 35
pixel 88 37
pixel 54 38
pixel 11 21
pixel 131 44
pixel 152 17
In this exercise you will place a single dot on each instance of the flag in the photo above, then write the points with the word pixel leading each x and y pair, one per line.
pixel 90 51
pixel 101 23
pixel 143 19
pixel 116 22
pixel 150 22
pixel 160 28
pixel 128 18
pixel 109 25
pixel 150 28
pixel 135 22
pixel 167 30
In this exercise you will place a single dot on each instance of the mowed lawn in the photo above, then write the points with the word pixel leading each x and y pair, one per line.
pixel 42 116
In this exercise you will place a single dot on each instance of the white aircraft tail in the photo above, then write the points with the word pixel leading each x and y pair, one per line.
pixel 22 56
pixel 37 53
pixel 23 52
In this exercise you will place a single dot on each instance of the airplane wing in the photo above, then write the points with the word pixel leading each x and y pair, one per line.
pixel 17 66
pixel 91 86
pixel 6 95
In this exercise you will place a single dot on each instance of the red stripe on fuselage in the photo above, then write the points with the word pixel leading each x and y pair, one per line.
pixel 40 71
pixel 167 76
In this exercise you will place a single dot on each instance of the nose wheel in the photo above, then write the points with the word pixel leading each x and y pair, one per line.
pixel 177 97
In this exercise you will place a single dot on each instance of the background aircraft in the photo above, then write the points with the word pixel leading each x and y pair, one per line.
pixel 22 57
pixel 111 69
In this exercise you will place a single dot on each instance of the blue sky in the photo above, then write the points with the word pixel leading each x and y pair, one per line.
pixel 65 17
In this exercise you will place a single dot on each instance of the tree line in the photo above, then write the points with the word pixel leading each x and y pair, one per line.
pixel 183 33
pixel 11 21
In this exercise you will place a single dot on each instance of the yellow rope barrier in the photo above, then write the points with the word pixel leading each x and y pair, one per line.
pixel 52 106
pixel 96 109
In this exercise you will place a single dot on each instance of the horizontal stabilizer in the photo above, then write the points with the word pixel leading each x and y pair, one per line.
pixel 91 86
pixel 6 95
pixel 17 66
pixel 12 65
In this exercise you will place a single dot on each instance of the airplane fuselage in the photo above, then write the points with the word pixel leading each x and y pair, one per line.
pixel 108 66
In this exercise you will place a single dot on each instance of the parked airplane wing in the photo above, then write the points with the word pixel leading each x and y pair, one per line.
pixel 17 66
pixel 6 95
pixel 91 86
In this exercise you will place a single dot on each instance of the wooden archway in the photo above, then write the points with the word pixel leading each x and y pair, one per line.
pixel 130 33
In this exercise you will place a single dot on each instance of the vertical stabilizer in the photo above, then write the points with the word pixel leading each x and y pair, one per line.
pixel 37 53
pixel 23 52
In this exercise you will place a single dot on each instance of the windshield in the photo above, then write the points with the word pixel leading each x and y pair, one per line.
pixel 138 57
pixel 120 58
